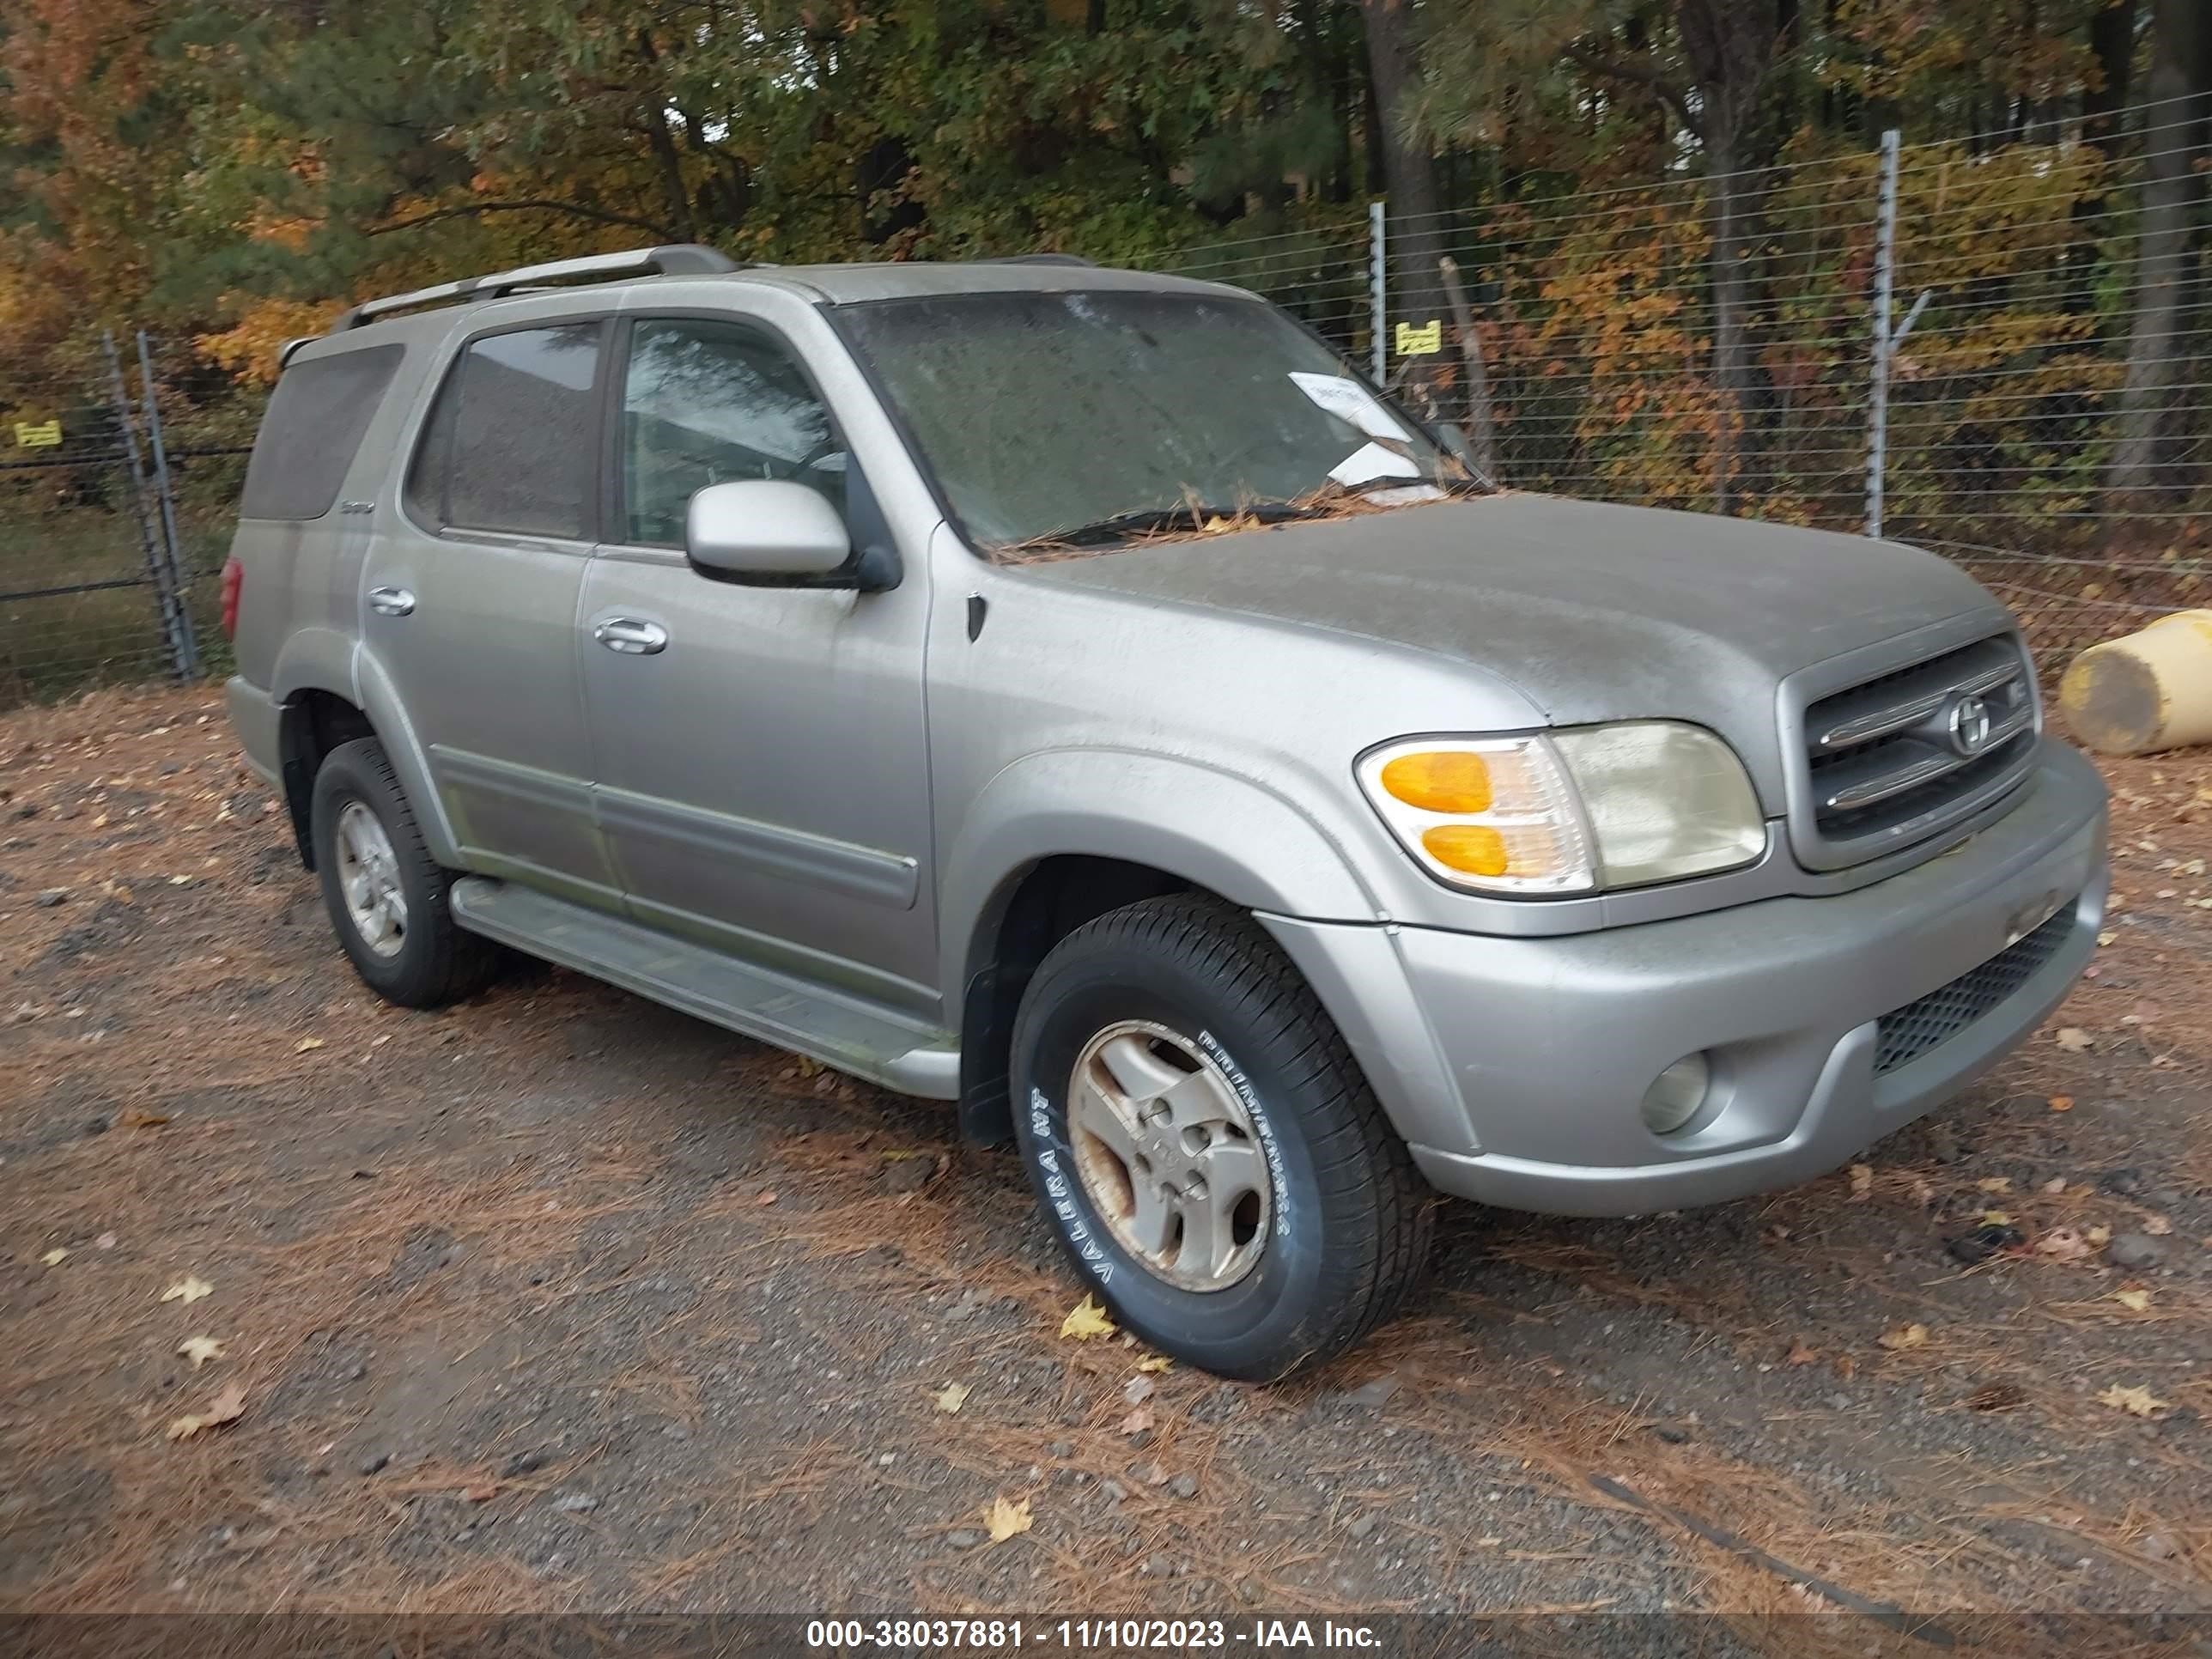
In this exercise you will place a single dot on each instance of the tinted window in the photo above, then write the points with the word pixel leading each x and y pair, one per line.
pixel 510 445
pixel 311 430
pixel 706 403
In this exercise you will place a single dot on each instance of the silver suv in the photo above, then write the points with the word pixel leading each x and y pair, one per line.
pixel 1076 694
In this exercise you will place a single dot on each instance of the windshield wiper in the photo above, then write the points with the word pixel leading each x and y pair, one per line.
pixel 1183 516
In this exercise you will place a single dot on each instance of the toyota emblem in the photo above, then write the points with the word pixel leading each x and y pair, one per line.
pixel 1970 725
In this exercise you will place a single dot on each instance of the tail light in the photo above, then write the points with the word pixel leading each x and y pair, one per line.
pixel 233 584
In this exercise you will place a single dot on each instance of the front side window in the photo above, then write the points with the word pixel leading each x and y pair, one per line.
pixel 706 403
pixel 1051 414
pixel 510 444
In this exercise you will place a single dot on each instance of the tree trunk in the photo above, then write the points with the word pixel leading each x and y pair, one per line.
pixel 1728 49
pixel 1726 214
pixel 2173 136
pixel 1481 423
pixel 1415 231
pixel 2113 44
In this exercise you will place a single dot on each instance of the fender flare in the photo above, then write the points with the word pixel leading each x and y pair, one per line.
pixel 1218 830
pixel 324 660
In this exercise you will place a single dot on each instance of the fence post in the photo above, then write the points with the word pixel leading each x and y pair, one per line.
pixel 157 567
pixel 1885 343
pixel 1378 291
pixel 186 644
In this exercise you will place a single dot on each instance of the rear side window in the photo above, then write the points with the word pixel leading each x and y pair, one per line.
pixel 511 444
pixel 311 430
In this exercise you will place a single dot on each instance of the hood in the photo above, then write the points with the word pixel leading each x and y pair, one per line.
pixel 1592 612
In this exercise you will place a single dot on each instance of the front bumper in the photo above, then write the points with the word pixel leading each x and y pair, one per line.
pixel 1515 1067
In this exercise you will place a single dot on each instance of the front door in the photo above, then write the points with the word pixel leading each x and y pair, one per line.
pixel 469 598
pixel 763 768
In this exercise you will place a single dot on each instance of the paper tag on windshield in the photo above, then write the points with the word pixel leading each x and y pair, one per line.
pixel 1350 401
pixel 1371 462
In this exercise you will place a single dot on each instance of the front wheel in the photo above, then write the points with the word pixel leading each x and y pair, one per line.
pixel 1205 1146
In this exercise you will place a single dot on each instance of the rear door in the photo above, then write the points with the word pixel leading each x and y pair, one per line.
pixel 470 604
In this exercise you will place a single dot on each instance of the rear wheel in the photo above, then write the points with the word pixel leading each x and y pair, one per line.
pixel 1206 1148
pixel 387 897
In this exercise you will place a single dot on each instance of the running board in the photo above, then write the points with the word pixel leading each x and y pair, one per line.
pixel 750 1000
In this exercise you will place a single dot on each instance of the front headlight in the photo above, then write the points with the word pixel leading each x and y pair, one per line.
pixel 1568 811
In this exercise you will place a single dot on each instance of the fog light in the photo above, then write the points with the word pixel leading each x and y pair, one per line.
pixel 1676 1095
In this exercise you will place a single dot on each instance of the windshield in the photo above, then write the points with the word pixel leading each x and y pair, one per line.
pixel 1046 414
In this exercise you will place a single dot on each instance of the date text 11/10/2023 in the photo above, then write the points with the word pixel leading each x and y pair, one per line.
pixel 1085 1635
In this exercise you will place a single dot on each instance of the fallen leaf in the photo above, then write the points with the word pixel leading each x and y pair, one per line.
pixel 2133 1301
pixel 2099 1237
pixel 2157 1225
pixel 1154 1363
pixel 2106 937
pixel 1086 1320
pixel 1862 1183
pixel 1996 1218
pixel 2063 1244
pixel 104 1242
pixel 200 1349
pixel 2073 1039
pixel 1003 1519
pixel 2053 1186
pixel 1135 1423
pixel 1905 1336
pixel 55 1257
pixel 1995 1184
pixel 188 1290
pixel 139 1118
pixel 765 1198
pixel 227 1407
pixel 305 1045
pixel 1799 1354
pixel 1137 1390
pixel 479 1492
pixel 2061 1103
pixel 2136 1402
pixel 951 1398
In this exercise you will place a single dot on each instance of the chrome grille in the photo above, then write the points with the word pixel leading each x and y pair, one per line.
pixel 1901 756
pixel 1905 1034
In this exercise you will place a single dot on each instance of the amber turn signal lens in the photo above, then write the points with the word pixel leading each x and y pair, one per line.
pixel 1472 848
pixel 1440 780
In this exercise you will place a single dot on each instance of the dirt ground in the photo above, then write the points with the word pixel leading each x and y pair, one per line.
pixel 558 1300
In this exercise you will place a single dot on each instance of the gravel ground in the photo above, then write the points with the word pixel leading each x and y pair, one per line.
pixel 560 1301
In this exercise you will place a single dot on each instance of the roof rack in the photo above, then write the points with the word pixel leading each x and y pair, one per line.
pixel 1043 259
pixel 674 260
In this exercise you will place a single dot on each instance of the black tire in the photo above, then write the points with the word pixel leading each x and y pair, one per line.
pixel 1349 1234
pixel 436 961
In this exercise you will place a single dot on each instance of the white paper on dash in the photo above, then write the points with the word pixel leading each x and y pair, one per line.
pixel 1350 401
pixel 1405 496
pixel 1370 462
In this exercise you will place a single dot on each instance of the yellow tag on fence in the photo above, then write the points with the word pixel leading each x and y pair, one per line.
pixel 34 435
pixel 1421 342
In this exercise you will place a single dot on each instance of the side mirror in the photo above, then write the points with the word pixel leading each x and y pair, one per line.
pixel 769 531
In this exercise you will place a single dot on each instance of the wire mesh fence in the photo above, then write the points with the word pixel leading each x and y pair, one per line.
pixel 2039 405
pixel 1999 347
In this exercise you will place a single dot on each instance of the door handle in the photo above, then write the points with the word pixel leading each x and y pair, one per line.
pixel 631 636
pixel 390 601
